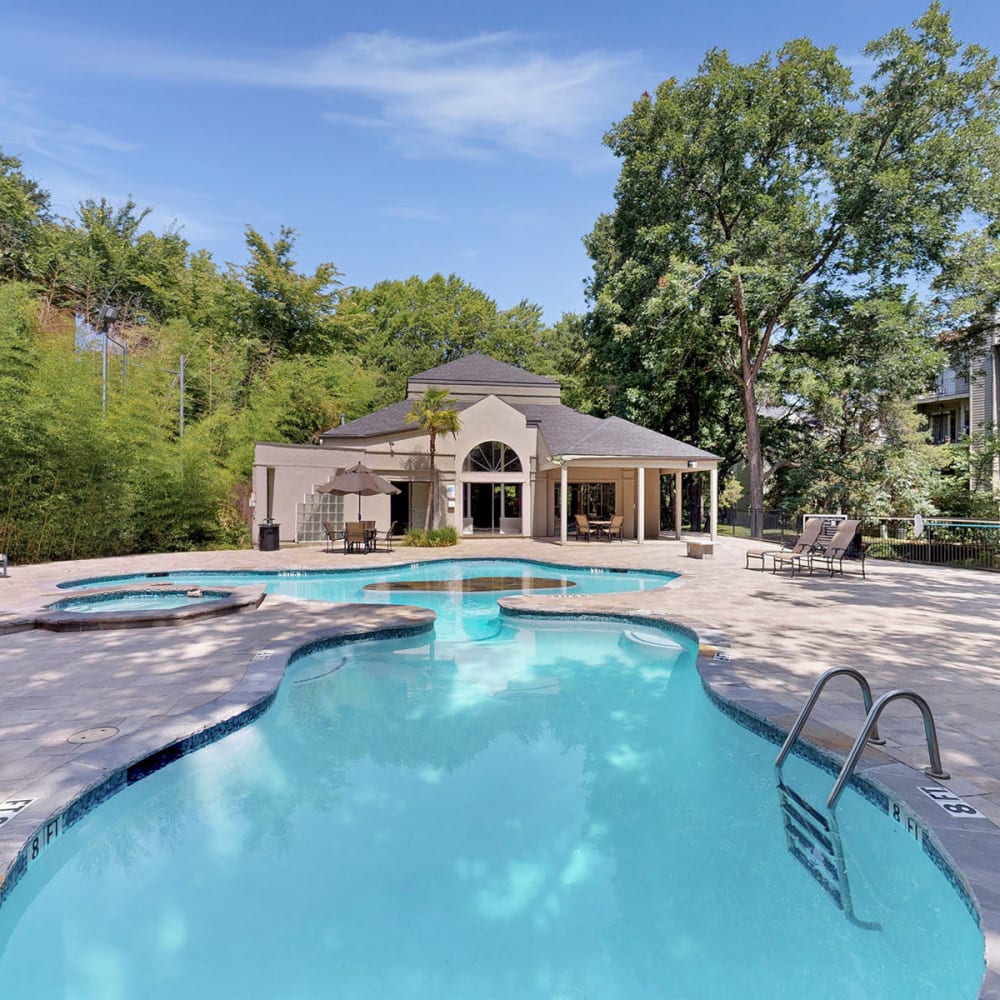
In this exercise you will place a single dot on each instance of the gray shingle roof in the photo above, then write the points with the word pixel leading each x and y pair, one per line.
pixel 560 426
pixel 390 420
pixel 619 438
pixel 480 368
pixel 568 432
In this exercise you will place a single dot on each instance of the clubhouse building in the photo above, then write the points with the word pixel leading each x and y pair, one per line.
pixel 522 464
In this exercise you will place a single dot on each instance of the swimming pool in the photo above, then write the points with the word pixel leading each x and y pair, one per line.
pixel 444 585
pixel 550 810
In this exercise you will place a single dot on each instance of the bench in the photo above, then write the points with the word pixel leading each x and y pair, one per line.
pixel 698 550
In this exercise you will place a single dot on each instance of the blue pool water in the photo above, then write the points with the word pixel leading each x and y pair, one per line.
pixel 140 600
pixel 554 811
pixel 470 615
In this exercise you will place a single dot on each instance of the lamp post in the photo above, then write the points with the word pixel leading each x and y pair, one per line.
pixel 179 372
pixel 107 316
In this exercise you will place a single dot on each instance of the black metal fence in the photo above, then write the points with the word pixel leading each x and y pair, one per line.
pixel 940 541
pixel 774 526
pixel 935 541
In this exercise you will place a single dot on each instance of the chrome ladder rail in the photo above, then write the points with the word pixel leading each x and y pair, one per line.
pixel 813 839
pixel 935 769
pixel 803 717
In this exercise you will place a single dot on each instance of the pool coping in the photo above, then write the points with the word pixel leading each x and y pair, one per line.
pixel 969 858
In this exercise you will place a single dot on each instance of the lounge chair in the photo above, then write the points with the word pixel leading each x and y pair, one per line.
pixel 834 550
pixel 615 527
pixel 842 546
pixel 803 544
pixel 583 526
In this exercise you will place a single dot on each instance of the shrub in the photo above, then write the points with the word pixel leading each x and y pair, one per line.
pixel 435 538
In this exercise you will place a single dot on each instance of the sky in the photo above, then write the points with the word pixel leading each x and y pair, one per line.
pixel 460 138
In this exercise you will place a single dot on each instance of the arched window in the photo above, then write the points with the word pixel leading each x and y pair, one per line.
pixel 492 456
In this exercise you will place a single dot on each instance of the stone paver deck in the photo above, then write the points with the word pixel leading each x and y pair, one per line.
pixel 932 630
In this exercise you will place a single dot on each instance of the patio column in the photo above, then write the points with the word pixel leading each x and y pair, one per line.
pixel 528 488
pixel 677 504
pixel 640 504
pixel 563 501
pixel 713 517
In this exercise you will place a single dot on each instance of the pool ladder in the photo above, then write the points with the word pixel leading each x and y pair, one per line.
pixel 813 836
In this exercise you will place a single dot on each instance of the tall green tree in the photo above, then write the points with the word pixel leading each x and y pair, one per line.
pixel 745 186
pixel 105 257
pixel 848 377
pixel 435 413
pixel 24 212
pixel 284 311
pixel 404 327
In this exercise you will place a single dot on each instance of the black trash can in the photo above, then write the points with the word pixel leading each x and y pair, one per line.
pixel 268 541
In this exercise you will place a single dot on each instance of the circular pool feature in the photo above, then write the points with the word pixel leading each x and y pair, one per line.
pixel 475 584
pixel 136 600
pixel 149 604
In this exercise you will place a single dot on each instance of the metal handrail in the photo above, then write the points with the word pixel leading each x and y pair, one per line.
pixel 795 731
pixel 871 722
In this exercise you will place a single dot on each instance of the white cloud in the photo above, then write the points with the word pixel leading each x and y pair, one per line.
pixel 25 125
pixel 468 96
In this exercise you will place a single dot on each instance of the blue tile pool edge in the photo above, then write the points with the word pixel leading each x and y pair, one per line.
pixel 247 701
pixel 668 576
pixel 968 859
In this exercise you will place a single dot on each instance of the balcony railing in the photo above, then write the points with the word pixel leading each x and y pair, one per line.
pixel 947 386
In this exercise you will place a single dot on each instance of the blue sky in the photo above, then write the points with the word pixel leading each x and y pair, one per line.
pixel 396 139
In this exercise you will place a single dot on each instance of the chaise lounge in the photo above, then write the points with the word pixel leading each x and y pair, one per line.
pixel 803 545
pixel 832 552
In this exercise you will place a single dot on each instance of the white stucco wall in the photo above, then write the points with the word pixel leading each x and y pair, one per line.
pixel 491 419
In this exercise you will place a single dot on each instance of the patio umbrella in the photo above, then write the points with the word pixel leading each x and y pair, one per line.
pixel 361 480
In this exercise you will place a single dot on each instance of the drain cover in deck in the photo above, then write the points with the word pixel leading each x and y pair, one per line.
pixel 93 735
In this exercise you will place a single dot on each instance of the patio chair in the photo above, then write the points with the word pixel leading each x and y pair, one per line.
pixel 615 527
pixel 583 526
pixel 386 538
pixel 803 544
pixel 331 535
pixel 355 537
pixel 842 546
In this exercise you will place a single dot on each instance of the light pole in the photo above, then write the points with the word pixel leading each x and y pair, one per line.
pixel 179 372
pixel 107 316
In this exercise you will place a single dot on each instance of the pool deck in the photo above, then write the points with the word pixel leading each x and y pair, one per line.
pixel 931 630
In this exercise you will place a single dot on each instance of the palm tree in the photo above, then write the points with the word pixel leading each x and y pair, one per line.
pixel 435 412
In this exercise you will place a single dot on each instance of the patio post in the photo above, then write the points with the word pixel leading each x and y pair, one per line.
pixel 677 505
pixel 563 501
pixel 713 517
pixel 640 505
